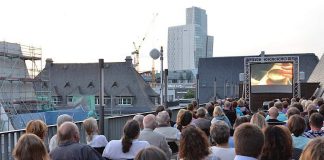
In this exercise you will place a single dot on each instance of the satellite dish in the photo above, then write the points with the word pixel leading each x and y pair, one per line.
pixel 155 54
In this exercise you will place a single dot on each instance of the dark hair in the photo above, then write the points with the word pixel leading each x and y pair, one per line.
pixel 321 110
pixel 219 132
pixel 240 120
pixel 159 108
pixel 278 143
pixel 30 146
pixel 185 120
pixel 131 131
pixel 316 120
pixel 210 110
pixel 271 104
pixel 296 125
pixel 248 140
pixel 190 107
pixel 285 104
pixel 169 112
pixel 151 153
pixel 298 106
pixel 193 144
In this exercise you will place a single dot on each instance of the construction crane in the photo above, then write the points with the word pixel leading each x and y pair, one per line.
pixel 137 46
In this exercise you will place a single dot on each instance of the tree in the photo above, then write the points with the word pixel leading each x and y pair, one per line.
pixel 190 94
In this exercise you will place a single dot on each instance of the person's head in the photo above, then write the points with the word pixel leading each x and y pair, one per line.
pixel 163 118
pixel 321 110
pixel 227 105
pixel 278 105
pixel 240 120
pixel 218 111
pixel 316 121
pixel 37 127
pixel 131 132
pixel 219 133
pixel 63 118
pixel 169 112
pixel 190 107
pixel 195 104
pixel 185 119
pixel 68 132
pixel 292 111
pixel 151 153
pixel 296 125
pixel 273 112
pixel 30 147
pixel 210 109
pixel 298 106
pixel 240 102
pixel 91 127
pixel 313 150
pixel 179 115
pixel 320 101
pixel 149 121
pixel 193 144
pixel 278 143
pixel 285 104
pixel 159 109
pixel 139 119
pixel 248 140
pixel 201 112
pixel 293 100
pixel 271 104
pixel 258 120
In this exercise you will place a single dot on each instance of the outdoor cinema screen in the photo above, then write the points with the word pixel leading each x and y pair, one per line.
pixel 271 77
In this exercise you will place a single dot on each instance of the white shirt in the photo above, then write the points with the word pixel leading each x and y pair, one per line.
pixel 170 133
pixel 114 151
pixel 239 157
pixel 98 141
pixel 223 153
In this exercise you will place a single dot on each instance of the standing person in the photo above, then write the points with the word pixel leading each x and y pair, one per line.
pixel 69 147
pixel 30 147
pixel 249 140
pixel 60 120
pixel 37 127
pixel 96 141
pixel 128 146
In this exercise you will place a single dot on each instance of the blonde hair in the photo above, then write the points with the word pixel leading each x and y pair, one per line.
pixel 258 120
pixel 313 150
pixel 31 147
pixel 218 111
pixel 91 127
pixel 37 127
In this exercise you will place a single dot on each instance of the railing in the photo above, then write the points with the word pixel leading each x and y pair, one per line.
pixel 113 130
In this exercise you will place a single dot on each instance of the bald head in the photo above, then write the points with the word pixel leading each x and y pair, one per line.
pixel 273 112
pixel 149 121
pixel 68 132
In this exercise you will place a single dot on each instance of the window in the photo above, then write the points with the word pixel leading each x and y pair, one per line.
pixel 56 99
pixel 125 100
pixel 106 100
pixel 69 98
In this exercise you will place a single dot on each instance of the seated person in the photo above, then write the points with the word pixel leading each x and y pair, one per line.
pixel 273 114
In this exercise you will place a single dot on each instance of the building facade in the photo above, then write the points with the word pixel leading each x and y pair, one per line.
pixel 190 42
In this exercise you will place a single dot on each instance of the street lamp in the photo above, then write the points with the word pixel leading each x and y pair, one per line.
pixel 155 54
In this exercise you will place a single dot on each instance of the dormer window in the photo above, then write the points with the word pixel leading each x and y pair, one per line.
pixel 90 85
pixel 114 84
pixel 67 84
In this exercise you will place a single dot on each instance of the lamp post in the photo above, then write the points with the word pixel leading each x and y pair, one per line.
pixel 155 54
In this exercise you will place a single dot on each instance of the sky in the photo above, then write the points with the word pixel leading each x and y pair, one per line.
pixel 79 31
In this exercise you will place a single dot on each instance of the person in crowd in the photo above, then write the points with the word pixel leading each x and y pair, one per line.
pixel 151 153
pixel 239 108
pixel 316 124
pixel 128 146
pixel 296 124
pixel 258 120
pixel 230 114
pixel 285 105
pixel 278 143
pixel 172 123
pixel 96 141
pixel 201 122
pixel 320 101
pixel 179 115
pixel 293 100
pixel 249 140
pixel 210 109
pixel 193 144
pixel 321 110
pixel 30 147
pixel 219 135
pixel 292 111
pixel 69 147
pixel 281 116
pixel 37 127
pixel 139 118
pixel 240 120
pixel 185 120
pixel 262 113
pixel 219 115
pixel 273 114
pixel 154 138
pixel 297 105
pixel 191 108
pixel 313 150
pixel 60 120
pixel 164 128
pixel 159 109
pixel 195 104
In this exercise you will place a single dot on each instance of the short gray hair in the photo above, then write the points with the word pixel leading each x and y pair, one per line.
pixel 63 118
pixel 219 132
pixel 163 118
pixel 201 112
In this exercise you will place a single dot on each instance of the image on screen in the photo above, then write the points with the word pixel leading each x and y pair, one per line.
pixel 271 77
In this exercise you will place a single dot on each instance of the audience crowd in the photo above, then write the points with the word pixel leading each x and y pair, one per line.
pixel 286 129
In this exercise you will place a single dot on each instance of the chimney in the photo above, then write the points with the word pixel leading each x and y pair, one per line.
pixel 129 61
pixel 49 61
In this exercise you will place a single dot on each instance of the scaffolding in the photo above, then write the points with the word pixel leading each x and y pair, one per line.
pixel 21 89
